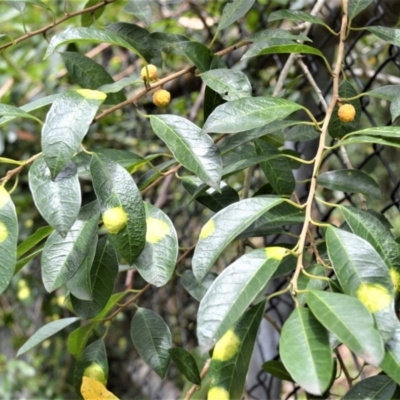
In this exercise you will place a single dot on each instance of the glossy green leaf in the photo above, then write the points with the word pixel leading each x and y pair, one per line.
pixel 25 260
pixel 199 54
pixel 45 332
pixel 370 139
pixel 195 288
pixel 388 92
pixel 336 127
pixel 88 19
pixel 114 187
pixel 186 364
pixel 211 98
pixel 283 48
pixel 113 302
pixel 80 285
pixel 66 124
pixel 395 107
pixel 141 9
pixel 301 133
pixel 233 11
pixel 296 16
pixel 58 200
pixel 389 35
pixel 151 175
pixel 152 339
pixel 88 74
pixel 12 112
pixel 233 291
pixel 278 370
pixel 229 369
pixel 62 256
pixel 356 6
pixel 228 83
pixel 194 150
pixel 33 240
pixel 306 283
pixel 363 274
pixel 248 113
pixel 119 85
pixel 34 105
pixel 232 141
pixel 103 273
pixel 269 33
pixel 305 351
pixel 277 170
pixel 378 387
pixel 156 263
pixel 8 238
pixel 349 320
pixel 211 198
pixel 350 180
pixel 391 361
pixel 379 131
pixel 224 227
pixel 93 35
pixel 139 39
pixel 95 353
pixel 78 338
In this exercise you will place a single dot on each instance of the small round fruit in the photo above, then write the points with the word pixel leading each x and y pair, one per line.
pixel 161 98
pixel 96 372
pixel 346 113
pixel 149 73
pixel 114 219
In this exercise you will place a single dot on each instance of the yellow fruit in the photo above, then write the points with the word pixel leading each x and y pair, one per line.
pixel 115 219
pixel 226 347
pixel 218 393
pixel 346 113
pixel 149 73
pixel 161 98
pixel 374 296
pixel 96 372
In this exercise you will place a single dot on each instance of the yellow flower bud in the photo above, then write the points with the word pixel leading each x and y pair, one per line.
pixel 149 73
pixel 346 113
pixel 161 98
pixel 95 371
pixel 114 219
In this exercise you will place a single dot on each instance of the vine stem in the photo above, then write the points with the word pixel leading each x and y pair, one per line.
pixel 203 373
pixel 321 148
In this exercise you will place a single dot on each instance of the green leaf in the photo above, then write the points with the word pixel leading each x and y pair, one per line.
pixel 337 128
pixel 119 85
pixel 186 364
pixel 228 369
pixel 268 34
pixel 95 353
pixel 103 273
pixel 395 107
pixel 114 300
pixel 34 105
pixel 369 139
pixel 25 260
pixel 14 112
pixel 278 370
pixel 276 170
pixel 350 180
pixel 80 284
pixel 363 274
pixel 378 387
pixel 45 332
pixel 194 150
pixel 152 339
pixel 199 54
pixel 224 227
pixel 34 2
pixel 211 198
pixel 33 240
pixel 301 133
pixel 156 263
pixel 233 291
pixel 58 200
pixel 62 256
pixel 306 283
pixel 150 176
pixel 92 35
pixel 233 11
pixel 391 361
pixel 296 16
pixel 8 238
pixel 90 75
pixel 114 188
pixel 88 19
pixel 66 124
pixel 389 35
pixel 283 48
pixel 356 6
pixel 349 320
pixel 229 84
pixel 141 9
pixel 388 92
pixel 232 141
pixel 195 288
pixel 78 338
pixel 139 39
pixel 248 113
pixel 305 351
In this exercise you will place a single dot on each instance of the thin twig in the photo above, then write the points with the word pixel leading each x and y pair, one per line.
pixel 203 373
pixel 273 323
pixel 344 368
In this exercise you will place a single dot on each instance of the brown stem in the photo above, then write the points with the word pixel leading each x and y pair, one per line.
pixel 343 368
pixel 203 373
